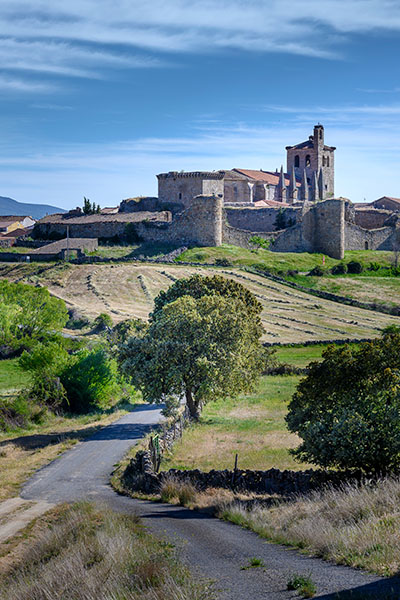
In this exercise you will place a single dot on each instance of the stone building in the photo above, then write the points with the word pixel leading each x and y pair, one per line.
pixel 314 163
pixel 295 211
pixel 310 177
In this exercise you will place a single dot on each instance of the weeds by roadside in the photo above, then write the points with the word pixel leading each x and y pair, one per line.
pixel 357 525
pixel 303 584
pixel 89 553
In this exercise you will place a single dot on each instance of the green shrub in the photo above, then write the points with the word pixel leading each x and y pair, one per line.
pixel 347 408
pixel 317 271
pixel 339 269
pixel 102 322
pixel 354 267
pixel 395 271
pixel 223 262
pixel 90 381
pixel 374 266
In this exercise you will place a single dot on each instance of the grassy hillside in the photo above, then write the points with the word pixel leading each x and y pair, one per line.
pixel 276 261
pixel 128 290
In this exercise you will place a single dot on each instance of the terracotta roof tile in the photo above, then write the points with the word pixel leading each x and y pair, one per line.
pixel 264 176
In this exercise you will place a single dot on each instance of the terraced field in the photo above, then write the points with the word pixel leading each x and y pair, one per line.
pixel 128 290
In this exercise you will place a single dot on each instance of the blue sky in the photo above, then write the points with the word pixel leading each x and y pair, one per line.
pixel 97 96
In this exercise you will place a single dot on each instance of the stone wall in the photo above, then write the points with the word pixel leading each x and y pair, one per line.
pixel 199 224
pixel 357 238
pixel 140 476
pixel 140 204
pixel 241 237
pixel 183 187
pixel 329 230
pixel 257 219
pixel 371 218
pixel 95 226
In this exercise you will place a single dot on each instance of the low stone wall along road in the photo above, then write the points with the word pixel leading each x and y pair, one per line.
pixel 212 548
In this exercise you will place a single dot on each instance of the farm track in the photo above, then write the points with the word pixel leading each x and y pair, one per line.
pixel 128 290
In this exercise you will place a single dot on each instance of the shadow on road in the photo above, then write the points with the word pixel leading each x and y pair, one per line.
pixel 386 589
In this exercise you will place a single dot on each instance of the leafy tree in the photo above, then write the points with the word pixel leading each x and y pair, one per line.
pixel 347 409
pixel 203 348
pixel 197 286
pixel 28 314
pixel 259 242
pixel 89 208
pixel 125 329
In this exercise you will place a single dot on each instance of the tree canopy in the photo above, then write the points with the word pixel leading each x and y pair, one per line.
pixel 28 314
pixel 197 286
pixel 200 346
pixel 347 409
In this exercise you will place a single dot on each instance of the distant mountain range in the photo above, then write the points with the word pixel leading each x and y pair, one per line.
pixel 8 206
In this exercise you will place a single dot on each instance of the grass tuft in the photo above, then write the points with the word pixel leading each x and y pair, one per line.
pixel 303 584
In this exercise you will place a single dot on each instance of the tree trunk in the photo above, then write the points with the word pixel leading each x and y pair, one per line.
pixel 193 406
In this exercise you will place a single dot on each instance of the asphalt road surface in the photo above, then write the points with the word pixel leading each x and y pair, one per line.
pixel 213 549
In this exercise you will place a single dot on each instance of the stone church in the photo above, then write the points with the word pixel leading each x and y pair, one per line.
pixel 309 177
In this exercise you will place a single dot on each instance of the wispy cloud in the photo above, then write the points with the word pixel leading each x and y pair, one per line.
pixel 90 38
pixel 14 84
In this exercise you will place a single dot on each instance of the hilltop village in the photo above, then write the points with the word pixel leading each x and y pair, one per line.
pixel 295 211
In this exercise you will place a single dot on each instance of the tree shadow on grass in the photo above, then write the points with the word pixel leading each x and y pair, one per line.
pixel 43 440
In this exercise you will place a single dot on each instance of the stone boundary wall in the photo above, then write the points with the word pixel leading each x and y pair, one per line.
pixel 337 342
pixel 383 308
pixel 140 476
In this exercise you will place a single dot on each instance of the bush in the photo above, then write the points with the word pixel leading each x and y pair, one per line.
pixel 339 269
pixel 374 266
pixel 102 322
pixel 223 262
pixel 354 267
pixel 317 271
pixel 90 381
pixel 347 408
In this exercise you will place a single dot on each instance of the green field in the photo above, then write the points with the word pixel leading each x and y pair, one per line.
pixel 280 261
pixel 12 377
pixel 252 426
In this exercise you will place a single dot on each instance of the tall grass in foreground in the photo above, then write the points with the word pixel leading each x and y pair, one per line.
pixel 355 525
pixel 87 553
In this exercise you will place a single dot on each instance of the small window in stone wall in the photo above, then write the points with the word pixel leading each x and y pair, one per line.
pixel 326 187
pixel 308 160
pixel 297 160
pixel 323 161
pixel 327 161
pixel 180 196
pixel 366 245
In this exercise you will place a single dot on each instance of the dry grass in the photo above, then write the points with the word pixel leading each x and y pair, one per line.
pixel 85 552
pixel 251 426
pixel 357 525
pixel 23 453
pixel 127 290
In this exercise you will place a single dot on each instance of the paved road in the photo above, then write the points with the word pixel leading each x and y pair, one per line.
pixel 213 548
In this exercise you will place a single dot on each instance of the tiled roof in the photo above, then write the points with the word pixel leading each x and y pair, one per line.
pixel 264 176
pixel 17 233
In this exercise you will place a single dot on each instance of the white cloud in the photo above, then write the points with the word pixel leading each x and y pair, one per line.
pixel 367 163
